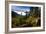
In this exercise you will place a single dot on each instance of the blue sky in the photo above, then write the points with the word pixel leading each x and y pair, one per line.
pixel 23 8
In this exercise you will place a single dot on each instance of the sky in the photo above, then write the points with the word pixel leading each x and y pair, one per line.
pixel 19 8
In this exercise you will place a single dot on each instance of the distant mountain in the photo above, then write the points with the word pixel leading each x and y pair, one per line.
pixel 20 13
pixel 14 14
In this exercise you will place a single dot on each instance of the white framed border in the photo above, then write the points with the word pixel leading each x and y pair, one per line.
pixel 26 28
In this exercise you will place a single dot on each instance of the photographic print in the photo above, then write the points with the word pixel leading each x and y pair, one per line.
pixel 25 17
